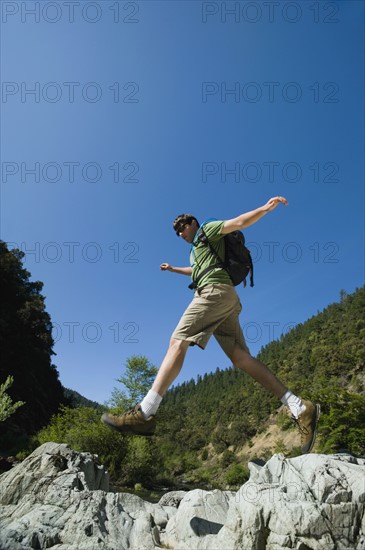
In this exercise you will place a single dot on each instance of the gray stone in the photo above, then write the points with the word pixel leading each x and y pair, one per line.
pixel 60 499
pixel 57 498
pixel 173 498
pixel 311 502
pixel 199 514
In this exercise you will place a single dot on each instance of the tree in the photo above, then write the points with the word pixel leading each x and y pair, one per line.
pixel 137 380
pixel 7 407
pixel 26 348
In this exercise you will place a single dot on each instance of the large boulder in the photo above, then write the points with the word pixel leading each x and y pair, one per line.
pixel 60 499
pixel 200 513
pixel 312 502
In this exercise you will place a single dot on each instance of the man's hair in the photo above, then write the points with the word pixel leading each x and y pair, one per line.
pixel 182 220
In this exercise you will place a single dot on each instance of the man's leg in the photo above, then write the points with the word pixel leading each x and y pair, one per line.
pixel 257 370
pixel 190 330
pixel 141 419
pixel 170 366
pixel 305 413
pixel 260 372
pixel 168 371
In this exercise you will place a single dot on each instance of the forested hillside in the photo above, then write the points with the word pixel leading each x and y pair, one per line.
pixel 75 399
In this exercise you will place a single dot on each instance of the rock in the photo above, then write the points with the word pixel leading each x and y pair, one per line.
pixel 60 499
pixel 57 498
pixel 200 513
pixel 173 498
pixel 311 502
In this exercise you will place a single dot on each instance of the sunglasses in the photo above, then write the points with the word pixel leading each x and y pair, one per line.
pixel 181 228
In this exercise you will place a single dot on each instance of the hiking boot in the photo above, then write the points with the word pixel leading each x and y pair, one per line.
pixel 132 422
pixel 307 424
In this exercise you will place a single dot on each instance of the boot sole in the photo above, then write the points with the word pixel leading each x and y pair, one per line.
pixel 318 414
pixel 126 429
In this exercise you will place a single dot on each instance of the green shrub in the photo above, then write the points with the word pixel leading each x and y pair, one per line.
pixel 237 474
pixel 280 447
pixel 82 430
pixel 205 454
pixel 206 476
pixel 341 425
pixel 191 461
pixel 142 460
pixel 284 421
pixel 129 459
pixel 227 458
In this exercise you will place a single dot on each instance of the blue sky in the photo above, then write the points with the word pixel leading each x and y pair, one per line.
pixel 118 116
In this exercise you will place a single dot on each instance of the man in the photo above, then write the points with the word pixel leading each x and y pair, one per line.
pixel 214 310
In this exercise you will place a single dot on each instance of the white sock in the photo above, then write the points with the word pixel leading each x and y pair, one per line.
pixel 294 403
pixel 150 403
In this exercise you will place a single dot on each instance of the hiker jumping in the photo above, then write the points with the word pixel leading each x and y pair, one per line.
pixel 214 310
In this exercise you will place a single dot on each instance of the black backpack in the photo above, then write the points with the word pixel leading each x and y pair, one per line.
pixel 237 261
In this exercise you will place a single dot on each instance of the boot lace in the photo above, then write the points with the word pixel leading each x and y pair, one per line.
pixel 127 413
pixel 133 412
pixel 302 429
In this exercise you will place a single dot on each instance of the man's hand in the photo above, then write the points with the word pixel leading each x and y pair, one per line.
pixel 166 267
pixel 272 203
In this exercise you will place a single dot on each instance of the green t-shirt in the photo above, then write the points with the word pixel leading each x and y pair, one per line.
pixel 201 257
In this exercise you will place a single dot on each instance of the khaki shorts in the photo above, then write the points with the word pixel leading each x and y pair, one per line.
pixel 213 311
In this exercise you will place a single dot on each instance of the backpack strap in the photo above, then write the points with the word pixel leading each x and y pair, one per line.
pixel 194 284
pixel 204 239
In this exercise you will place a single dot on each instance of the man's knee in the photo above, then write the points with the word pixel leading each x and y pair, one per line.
pixel 179 345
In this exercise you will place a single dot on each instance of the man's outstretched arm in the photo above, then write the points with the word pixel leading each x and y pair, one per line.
pixel 181 270
pixel 249 218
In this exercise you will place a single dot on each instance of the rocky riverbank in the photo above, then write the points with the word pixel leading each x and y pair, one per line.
pixel 58 498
